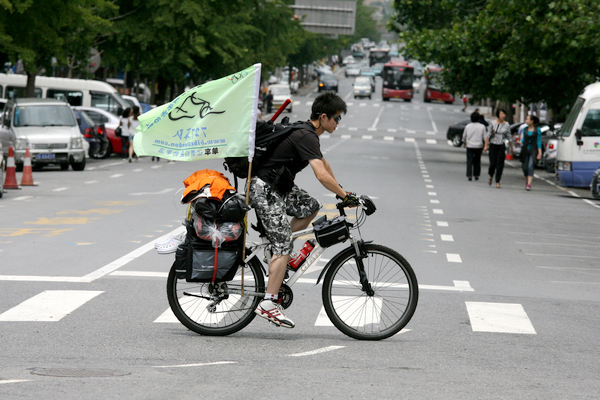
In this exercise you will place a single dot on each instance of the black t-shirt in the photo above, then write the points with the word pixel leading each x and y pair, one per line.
pixel 296 150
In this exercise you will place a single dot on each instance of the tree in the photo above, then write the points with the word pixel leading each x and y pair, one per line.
pixel 527 50
pixel 35 31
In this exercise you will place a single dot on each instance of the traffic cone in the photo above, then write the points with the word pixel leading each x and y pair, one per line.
pixel 509 156
pixel 27 179
pixel 11 171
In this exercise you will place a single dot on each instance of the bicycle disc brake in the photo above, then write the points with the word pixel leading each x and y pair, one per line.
pixel 286 295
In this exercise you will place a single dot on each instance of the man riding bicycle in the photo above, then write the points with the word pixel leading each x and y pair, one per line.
pixel 274 195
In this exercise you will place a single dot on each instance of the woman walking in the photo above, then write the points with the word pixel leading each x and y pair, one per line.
pixel 531 148
pixel 124 125
pixel 133 123
pixel 473 139
pixel 500 130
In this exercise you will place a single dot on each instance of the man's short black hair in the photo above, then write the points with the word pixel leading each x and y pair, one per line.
pixel 475 117
pixel 327 103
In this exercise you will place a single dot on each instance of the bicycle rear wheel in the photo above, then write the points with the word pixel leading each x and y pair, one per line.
pixel 216 309
pixel 375 317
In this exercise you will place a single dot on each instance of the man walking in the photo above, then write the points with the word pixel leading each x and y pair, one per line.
pixel 274 195
pixel 473 139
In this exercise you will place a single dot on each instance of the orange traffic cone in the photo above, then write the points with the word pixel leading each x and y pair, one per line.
pixel 11 171
pixel 27 179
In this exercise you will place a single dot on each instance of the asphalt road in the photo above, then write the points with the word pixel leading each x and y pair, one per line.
pixel 508 280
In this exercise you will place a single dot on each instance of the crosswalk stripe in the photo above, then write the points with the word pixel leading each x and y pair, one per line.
pixel 50 305
pixel 499 317
pixel 359 311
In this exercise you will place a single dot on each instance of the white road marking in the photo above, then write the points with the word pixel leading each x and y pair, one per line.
pixel 431 141
pixel 435 129
pixel 377 118
pixel 90 182
pixel 441 223
pixel 23 198
pixel 50 305
pixel 141 274
pixel 60 189
pixel 499 317
pixel 409 140
pixel 353 129
pixel 13 381
pixel 392 130
pixel 447 238
pixel 432 193
pixel 318 351
pixel 388 138
pixel 167 317
pixel 363 104
pixel 196 365
pixel 367 137
pixel 432 201
pixel 437 211
pixel 429 186
pixel 430 133
pixel 164 191
pixel 116 176
pixel 410 131
pixel 455 258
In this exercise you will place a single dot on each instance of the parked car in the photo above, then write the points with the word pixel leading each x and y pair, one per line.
pixel 280 94
pixel 110 122
pixel 362 87
pixel 94 134
pixel 328 82
pixel 455 131
pixel 132 100
pixel 48 128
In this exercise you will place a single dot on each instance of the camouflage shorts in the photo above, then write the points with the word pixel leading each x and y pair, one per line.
pixel 272 209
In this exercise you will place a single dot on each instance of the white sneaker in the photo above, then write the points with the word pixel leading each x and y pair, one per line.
pixel 274 313
pixel 170 245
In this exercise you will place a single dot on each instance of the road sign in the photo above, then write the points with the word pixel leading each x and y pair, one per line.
pixel 333 17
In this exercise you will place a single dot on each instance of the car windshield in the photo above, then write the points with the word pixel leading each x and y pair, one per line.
pixel 44 115
pixel 328 78
pixel 363 81
pixel 568 125
pixel 280 90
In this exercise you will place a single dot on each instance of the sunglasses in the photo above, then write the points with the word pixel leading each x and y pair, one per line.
pixel 336 118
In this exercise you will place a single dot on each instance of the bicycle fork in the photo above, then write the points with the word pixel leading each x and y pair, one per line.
pixel 360 266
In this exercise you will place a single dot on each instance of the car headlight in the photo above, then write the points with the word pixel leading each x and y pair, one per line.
pixel 76 143
pixel 21 144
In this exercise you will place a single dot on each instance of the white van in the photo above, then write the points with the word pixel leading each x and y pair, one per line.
pixel 578 155
pixel 78 92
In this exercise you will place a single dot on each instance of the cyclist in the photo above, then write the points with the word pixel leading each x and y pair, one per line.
pixel 274 195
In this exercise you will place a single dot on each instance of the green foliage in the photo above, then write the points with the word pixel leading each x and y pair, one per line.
pixel 529 50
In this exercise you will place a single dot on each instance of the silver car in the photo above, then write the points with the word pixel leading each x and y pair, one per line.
pixel 48 128
pixel 362 87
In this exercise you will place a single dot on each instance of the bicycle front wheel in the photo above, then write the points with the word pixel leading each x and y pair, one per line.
pixel 216 309
pixel 390 306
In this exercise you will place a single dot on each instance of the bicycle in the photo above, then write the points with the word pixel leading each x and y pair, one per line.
pixel 370 292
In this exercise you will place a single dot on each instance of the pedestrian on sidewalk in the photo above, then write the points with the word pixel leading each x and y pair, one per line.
pixel 473 139
pixel 124 125
pixel 465 101
pixel 269 102
pixel 499 131
pixel 133 123
pixel 531 148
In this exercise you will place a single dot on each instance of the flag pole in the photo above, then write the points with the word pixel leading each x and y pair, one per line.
pixel 246 220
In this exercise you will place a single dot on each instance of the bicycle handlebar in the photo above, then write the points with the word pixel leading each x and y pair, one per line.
pixel 364 201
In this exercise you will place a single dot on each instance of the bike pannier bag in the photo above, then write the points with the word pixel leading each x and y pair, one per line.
pixel 330 232
pixel 202 265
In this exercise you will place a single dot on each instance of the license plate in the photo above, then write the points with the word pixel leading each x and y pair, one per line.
pixel 396 97
pixel 362 92
pixel 45 156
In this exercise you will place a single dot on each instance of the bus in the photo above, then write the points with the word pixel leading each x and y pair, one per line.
pixel 433 87
pixel 578 155
pixel 398 79
pixel 379 56
pixel 78 92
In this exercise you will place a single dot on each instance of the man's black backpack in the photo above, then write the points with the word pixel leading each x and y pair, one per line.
pixel 268 136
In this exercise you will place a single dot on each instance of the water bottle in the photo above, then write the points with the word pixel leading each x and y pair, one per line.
pixel 297 261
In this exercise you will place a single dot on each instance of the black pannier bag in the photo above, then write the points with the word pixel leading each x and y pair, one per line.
pixel 330 232
pixel 195 258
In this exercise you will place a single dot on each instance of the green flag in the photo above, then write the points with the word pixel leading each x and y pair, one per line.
pixel 214 120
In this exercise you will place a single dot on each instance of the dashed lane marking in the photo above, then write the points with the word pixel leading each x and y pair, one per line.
pixel 317 351
pixel 196 365
pixel 453 258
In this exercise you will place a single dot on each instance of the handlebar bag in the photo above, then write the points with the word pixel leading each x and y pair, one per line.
pixel 330 232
